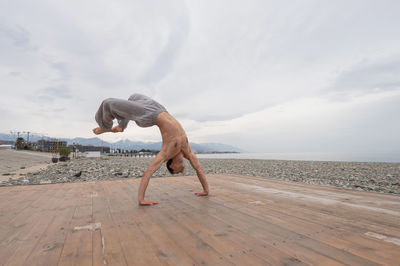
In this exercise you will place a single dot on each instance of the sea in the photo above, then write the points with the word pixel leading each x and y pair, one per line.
pixel 393 157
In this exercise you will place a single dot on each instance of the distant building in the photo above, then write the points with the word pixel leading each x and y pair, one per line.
pixel 50 145
pixel 92 154
pixel 5 147
pixel 86 148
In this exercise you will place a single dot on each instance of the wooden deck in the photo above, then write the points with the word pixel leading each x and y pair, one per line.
pixel 245 221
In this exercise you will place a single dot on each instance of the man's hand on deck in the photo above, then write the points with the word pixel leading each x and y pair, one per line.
pixel 201 193
pixel 147 202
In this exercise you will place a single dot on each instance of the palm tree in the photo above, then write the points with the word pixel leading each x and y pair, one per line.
pixel 20 143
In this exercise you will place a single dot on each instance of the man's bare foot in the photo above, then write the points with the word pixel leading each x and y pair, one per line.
pixel 98 130
pixel 201 193
pixel 117 129
pixel 147 202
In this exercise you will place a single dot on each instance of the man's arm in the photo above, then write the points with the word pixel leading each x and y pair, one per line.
pixel 154 166
pixel 202 178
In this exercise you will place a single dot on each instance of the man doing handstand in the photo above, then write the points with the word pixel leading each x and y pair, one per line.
pixel 146 112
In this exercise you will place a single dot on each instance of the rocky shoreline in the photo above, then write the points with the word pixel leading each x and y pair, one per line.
pixel 377 177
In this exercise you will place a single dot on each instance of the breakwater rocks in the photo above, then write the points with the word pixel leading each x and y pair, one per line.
pixel 378 177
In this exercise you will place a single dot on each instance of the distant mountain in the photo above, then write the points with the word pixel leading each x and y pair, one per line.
pixel 213 147
pixel 6 137
pixel 13 137
pixel 86 141
pixel 132 145
pixel 136 145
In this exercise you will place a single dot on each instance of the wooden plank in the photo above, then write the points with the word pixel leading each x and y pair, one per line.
pixel 307 248
pixel 344 194
pixel 374 215
pixel 137 248
pixel 237 247
pixel 44 215
pixel 372 251
pixel 49 248
pixel 263 233
pixel 352 242
pixel 77 248
pixel 167 249
pixel 20 227
pixel 273 199
pixel 185 242
pixel 339 217
pixel 238 223
pixel 331 237
pixel 15 207
pixel 107 247
pixel 10 197
pixel 262 248
pixel 318 210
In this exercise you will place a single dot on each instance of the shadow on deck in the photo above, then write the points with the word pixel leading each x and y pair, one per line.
pixel 245 221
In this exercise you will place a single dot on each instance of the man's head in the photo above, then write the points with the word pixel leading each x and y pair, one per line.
pixel 175 165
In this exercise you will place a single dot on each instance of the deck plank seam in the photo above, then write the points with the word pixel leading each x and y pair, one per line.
pixel 114 223
pixel 66 235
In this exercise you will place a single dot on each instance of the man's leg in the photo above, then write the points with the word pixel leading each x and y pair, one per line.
pixel 123 110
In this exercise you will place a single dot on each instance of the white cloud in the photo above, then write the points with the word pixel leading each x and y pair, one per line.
pixel 362 123
pixel 260 75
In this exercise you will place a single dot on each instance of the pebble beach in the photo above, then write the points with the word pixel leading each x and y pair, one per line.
pixel 376 177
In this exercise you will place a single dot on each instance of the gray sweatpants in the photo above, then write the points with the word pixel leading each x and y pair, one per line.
pixel 139 108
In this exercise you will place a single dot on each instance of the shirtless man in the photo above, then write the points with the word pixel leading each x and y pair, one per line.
pixel 147 112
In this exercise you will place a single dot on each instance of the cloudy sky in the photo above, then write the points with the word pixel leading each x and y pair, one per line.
pixel 293 76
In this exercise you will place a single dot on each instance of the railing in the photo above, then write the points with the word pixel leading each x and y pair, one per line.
pixel 138 154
